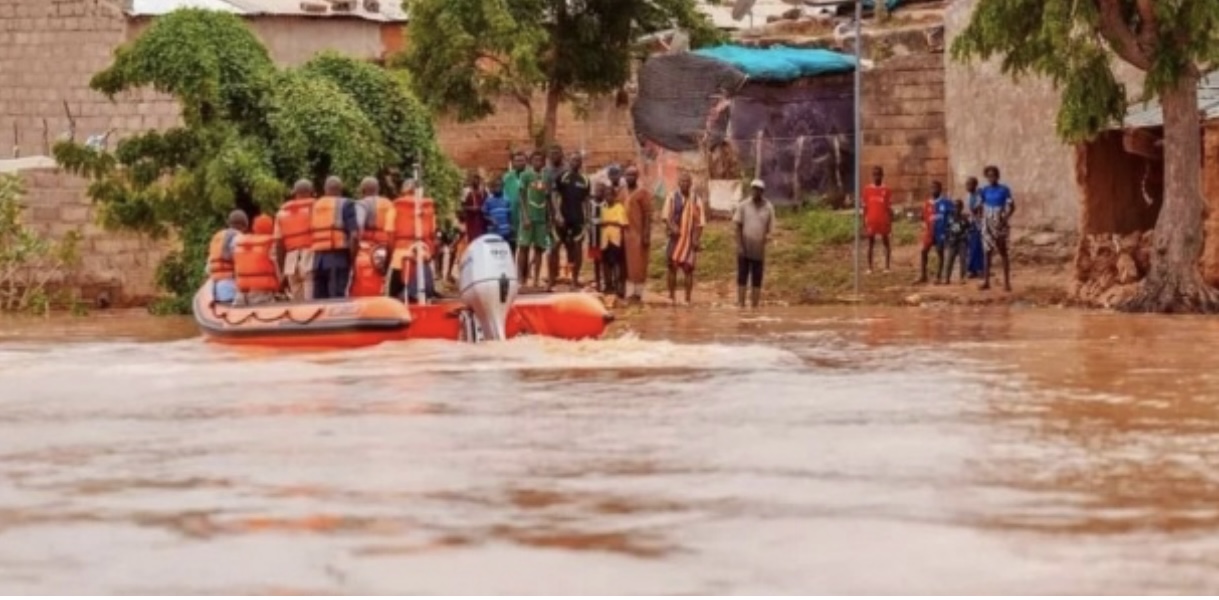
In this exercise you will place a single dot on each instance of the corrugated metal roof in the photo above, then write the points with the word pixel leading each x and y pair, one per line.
pixel 721 14
pixel 388 10
pixel 1151 114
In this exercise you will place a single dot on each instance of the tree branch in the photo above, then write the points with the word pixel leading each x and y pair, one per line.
pixel 1121 39
pixel 495 59
pixel 1148 26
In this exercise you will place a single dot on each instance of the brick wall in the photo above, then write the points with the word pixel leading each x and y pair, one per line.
pixel 903 124
pixel 606 135
pixel 121 265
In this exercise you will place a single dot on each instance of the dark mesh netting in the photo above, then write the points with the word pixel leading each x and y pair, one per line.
pixel 806 129
pixel 677 94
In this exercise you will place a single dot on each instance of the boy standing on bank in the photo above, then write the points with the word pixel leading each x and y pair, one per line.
pixel 878 214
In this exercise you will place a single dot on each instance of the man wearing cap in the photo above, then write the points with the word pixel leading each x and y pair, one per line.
pixel 754 220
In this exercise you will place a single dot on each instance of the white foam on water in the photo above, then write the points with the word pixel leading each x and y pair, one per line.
pixel 162 367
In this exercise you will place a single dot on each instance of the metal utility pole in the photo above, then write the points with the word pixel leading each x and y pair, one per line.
pixel 858 131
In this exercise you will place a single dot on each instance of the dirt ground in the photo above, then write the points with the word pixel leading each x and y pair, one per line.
pixel 802 270
pixel 810 261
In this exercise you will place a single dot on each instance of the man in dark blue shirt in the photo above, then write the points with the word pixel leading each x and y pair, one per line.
pixel 572 192
pixel 334 257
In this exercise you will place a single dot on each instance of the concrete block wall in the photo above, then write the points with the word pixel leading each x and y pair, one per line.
pixel 992 119
pixel 903 124
pixel 120 265
pixel 49 49
pixel 606 135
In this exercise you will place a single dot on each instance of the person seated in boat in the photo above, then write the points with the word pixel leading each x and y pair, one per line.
pixel 256 273
pixel 498 213
pixel 412 243
pixel 220 270
pixel 293 241
pixel 336 241
pixel 368 276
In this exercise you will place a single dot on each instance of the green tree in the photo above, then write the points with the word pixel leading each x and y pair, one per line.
pixel 248 130
pixel 1075 44
pixel 463 54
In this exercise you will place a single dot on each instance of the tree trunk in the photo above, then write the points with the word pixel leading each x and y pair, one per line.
pixel 1174 281
pixel 530 118
pixel 550 123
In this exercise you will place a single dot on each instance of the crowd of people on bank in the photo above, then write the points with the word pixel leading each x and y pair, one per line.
pixel 550 212
pixel 544 205
pixel 965 232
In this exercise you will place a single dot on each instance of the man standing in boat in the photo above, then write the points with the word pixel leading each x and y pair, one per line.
pixel 293 242
pixel 336 241
pixel 413 243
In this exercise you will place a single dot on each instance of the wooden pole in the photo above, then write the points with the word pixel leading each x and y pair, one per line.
pixel 796 171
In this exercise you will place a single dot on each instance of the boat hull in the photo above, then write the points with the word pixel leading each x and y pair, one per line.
pixel 346 323
pixel 359 322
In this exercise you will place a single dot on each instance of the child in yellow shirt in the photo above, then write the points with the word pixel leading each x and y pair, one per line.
pixel 613 258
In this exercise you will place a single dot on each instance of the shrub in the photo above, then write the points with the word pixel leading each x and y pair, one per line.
pixel 30 263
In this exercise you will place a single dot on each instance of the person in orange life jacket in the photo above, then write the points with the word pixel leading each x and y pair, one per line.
pixel 220 258
pixel 405 242
pixel 374 212
pixel 258 280
pixel 368 273
pixel 336 241
pixel 293 242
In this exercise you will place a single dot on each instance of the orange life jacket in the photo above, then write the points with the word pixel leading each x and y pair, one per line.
pixel 375 231
pixel 366 280
pixel 295 227
pixel 220 255
pixel 326 223
pixel 253 264
pixel 405 234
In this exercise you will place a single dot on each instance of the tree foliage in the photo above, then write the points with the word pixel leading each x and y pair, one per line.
pixel 465 53
pixel 1075 42
pixel 248 130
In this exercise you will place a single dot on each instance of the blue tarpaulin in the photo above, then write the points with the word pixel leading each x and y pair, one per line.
pixel 890 4
pixel 780 63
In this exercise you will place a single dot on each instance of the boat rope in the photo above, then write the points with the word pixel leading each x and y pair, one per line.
pixel 285 314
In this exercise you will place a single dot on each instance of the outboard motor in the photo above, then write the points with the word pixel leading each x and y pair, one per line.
pixel 488 286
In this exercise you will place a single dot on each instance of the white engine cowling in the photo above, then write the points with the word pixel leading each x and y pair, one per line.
pixel 489 284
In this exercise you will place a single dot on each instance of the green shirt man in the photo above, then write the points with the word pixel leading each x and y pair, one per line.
pixel 535 234
pixel 512 192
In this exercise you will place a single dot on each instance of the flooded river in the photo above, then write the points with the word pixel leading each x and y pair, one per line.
pixel 802 451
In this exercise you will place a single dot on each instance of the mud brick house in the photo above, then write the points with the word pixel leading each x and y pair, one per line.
pixel 1120 177
pixel 49 49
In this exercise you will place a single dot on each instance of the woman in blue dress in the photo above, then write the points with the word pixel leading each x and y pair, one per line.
pixel 998 206
pixel 975 251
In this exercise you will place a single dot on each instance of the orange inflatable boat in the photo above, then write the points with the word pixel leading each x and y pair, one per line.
pixel 573 316
pixel 357 322
pixel 322 324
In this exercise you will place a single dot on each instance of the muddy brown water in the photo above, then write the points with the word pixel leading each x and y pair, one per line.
pixel 791 451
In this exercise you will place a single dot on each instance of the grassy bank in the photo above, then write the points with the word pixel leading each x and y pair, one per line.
pixel 811 261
